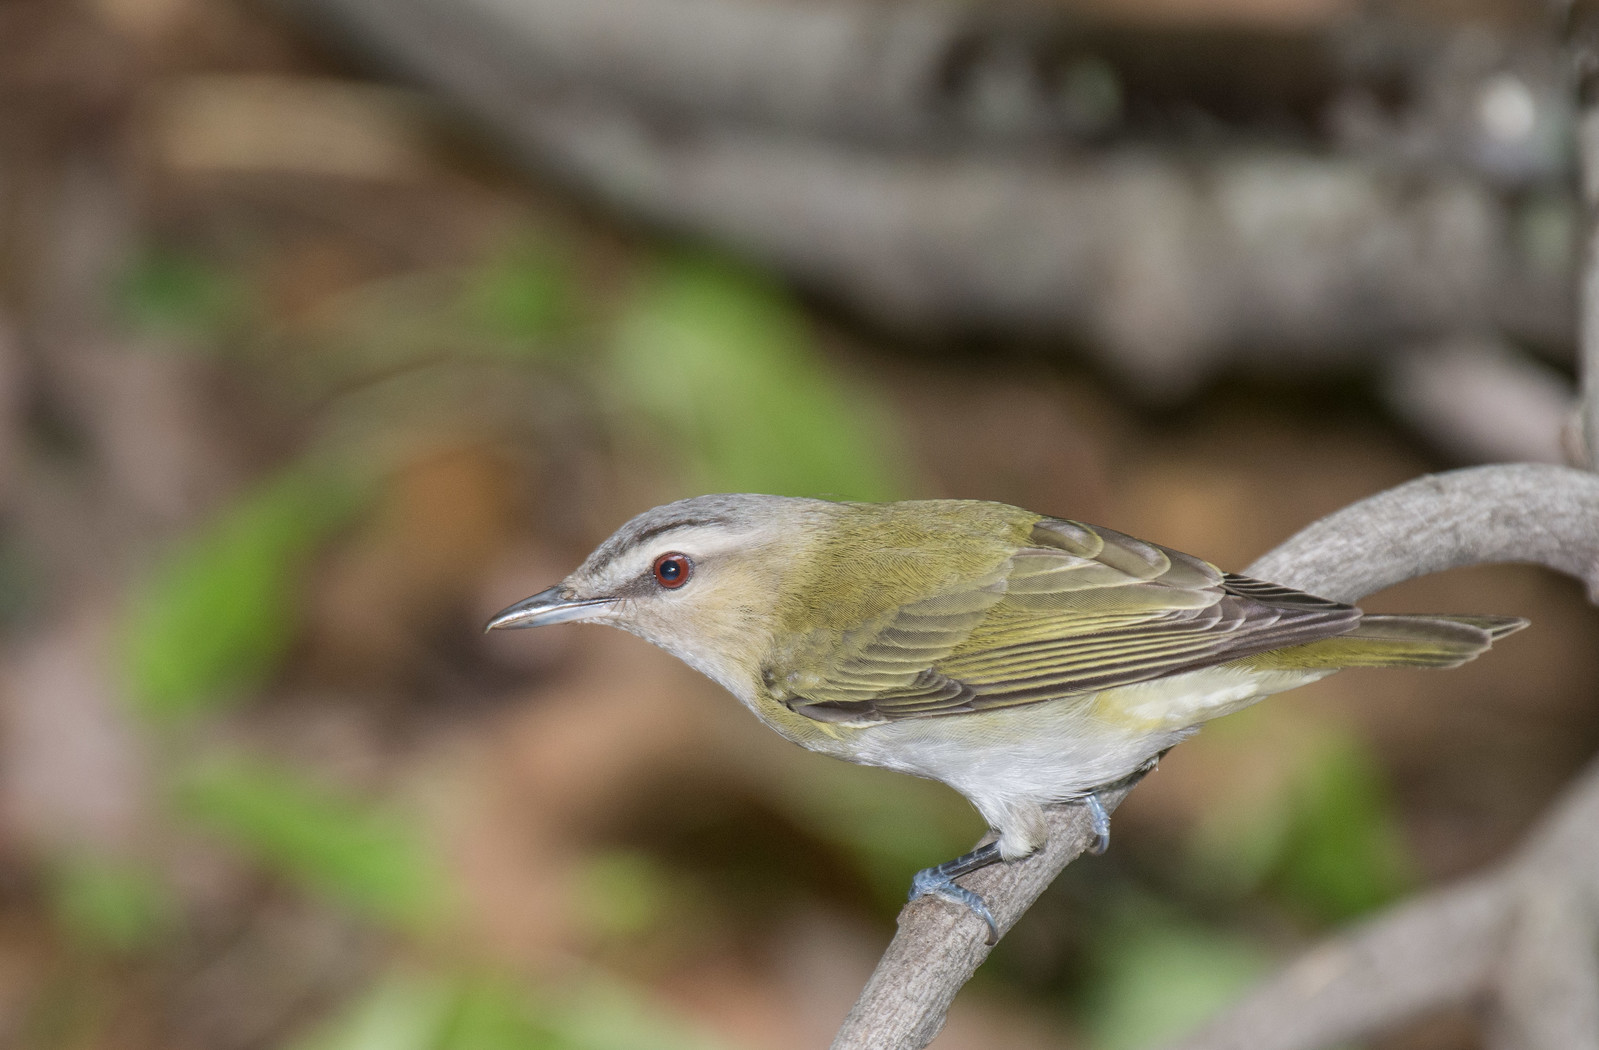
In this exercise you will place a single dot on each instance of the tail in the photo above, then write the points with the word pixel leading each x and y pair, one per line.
pixel 1396 641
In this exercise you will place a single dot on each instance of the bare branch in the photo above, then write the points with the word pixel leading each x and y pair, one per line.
pixel 939 946
pixel 1526 930
pixel 1167 266
pixel 1425 954
pixel 1546 515
pixel 962 77
pixel 1548 984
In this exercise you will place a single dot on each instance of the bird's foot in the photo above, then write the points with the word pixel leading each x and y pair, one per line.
pixel 930 883
pixel 1099 820
pixel 939 881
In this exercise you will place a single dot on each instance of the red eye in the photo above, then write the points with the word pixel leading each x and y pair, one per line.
pixel 673 570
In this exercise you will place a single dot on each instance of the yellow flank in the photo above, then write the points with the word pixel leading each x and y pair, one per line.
pixel 1183 700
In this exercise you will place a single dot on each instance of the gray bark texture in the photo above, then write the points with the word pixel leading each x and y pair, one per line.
pixel 1522 939
pixel 771 129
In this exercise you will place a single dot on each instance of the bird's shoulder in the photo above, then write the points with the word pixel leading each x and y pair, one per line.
pixel 876 559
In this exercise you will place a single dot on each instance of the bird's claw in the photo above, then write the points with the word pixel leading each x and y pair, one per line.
pixel 1099 820
pixel 930 882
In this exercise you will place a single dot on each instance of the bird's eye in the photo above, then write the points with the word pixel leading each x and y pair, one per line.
pixel 673 570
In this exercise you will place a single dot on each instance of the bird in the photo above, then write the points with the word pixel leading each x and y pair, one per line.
pixel 1024 660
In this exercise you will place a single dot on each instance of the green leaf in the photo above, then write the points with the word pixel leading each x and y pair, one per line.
pixel 1160 978
pixel 1328 842
pixel 410 1011
pixel 493 1014
pixel 725 364
pixel 354 854
pixel 175 294
pixel 106 903
pixel 402 1012
pixel 624 892
pixel 217 615
pixel 527 295
pixel 1343 853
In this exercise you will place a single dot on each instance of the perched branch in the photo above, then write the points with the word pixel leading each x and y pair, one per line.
pixel 1543 514
pixel 939 946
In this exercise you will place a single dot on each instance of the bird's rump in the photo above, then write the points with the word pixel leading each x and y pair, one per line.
pixel 1080 609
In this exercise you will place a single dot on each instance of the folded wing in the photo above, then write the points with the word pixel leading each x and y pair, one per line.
pixel 1081 609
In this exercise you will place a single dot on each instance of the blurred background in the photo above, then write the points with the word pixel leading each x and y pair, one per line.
pixel 330 327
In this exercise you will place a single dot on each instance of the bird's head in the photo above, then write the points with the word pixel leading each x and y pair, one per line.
pixel 702 578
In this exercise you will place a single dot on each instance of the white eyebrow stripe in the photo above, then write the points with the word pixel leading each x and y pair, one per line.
pixel 698 542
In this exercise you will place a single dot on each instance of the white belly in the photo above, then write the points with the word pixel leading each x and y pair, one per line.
pixel 1010 761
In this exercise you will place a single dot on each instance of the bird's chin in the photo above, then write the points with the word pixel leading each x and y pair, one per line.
pixel 732 675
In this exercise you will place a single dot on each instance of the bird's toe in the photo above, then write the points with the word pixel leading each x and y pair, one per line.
pixel 930 882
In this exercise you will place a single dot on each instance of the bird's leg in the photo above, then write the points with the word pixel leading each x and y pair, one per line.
pixel 939 881
pixel 1099 820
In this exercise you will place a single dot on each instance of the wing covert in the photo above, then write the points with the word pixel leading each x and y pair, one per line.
pixel 1082 609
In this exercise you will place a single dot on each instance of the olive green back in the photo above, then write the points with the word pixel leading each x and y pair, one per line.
pixel 911 610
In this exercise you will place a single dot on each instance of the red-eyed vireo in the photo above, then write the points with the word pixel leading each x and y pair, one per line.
pixel 1020 659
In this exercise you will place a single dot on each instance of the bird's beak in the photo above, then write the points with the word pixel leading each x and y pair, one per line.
pixel 547 607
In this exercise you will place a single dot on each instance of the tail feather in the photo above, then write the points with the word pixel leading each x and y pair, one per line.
pixel 1397 641
pixel 1496 626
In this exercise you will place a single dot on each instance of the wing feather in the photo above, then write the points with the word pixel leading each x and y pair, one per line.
pixel 1082 609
